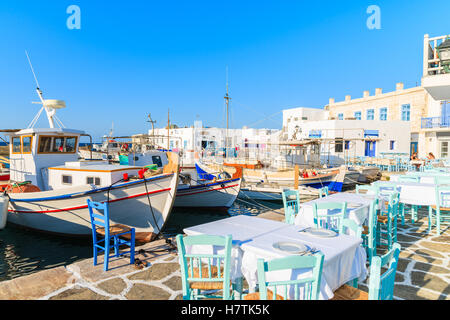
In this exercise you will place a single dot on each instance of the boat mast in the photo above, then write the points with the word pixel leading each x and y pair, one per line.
pixel 168 128
pixel 227 101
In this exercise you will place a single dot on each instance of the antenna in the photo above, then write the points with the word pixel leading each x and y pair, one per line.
pixel 227 101
pixel 32 70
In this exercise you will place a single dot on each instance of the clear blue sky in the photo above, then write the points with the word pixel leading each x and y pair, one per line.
pixel 135 57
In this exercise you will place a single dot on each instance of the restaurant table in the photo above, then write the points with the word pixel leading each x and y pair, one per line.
pixel 358 207
pixel 423 178
pixel 414 193
pixel 253 238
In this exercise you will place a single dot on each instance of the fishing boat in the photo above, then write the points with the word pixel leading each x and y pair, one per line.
pixel 197 188
pixel 49 187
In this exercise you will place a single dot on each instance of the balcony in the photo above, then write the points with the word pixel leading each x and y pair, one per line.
pixel 436 72
pixel 435 123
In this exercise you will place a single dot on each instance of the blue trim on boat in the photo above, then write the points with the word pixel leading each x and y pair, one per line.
pixel 72 195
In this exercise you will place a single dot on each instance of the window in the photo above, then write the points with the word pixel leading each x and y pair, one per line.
pixel 157 160
pixel 358 115
pixel 16 145
pixel 338 147
pixel 26 144
pixel 50 144
pixel 406 109
pixel 392 145
pixel 383 114
pixel 370 115
pixel 67 179
pixel 340 116
pixel 444 149
pixel 93 180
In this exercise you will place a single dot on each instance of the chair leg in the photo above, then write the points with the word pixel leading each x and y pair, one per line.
pixel 238 288
pixel 438 222
pixel 430 218
pixel 106 256
pixel 132 251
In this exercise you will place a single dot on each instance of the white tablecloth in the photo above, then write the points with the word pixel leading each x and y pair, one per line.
pixel 253 238
pixel 358 207
pixel 414 193
pixel 429 178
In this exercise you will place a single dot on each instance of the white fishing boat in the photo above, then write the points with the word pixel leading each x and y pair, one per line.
pixel 196 188
pixel 49 187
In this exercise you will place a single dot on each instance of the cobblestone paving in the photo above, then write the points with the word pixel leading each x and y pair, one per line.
pixel 423 273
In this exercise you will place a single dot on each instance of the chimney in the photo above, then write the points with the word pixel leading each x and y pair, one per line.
pixel 378 91
pixel 399 86
pixel 348 98
pixel 366 94
pixel 331 101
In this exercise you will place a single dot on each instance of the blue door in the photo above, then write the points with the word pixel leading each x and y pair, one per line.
pixel 370 149
pixel 414 147
pixel 445 114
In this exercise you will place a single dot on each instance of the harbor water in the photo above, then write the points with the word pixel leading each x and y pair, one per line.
pixel 23 252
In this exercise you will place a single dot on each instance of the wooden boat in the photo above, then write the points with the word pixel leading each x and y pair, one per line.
pixel 196 188
pixel 49 187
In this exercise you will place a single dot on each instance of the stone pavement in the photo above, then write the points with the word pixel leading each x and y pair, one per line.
pixel 423 273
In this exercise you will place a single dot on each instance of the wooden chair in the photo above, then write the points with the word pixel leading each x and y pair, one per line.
pixel 291 206
pixel 369 189
pixel 100 226
pixel 381 285
pixel 331 221
pixel 441 211
pixel 387 221
pixel 369 234
pixel 323 192
pixel 205 272
pixel 301 289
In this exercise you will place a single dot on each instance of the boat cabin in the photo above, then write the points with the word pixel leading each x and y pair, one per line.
pixel 33 150
pixel 94 173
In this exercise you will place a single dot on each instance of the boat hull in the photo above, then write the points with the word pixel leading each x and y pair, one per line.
pixel 68 214
pixel 219 194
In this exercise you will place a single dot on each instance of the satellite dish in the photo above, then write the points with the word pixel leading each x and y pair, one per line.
pixel 54 104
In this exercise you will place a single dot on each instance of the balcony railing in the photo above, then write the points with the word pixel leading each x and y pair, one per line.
pixel 431 62
pixel 435 122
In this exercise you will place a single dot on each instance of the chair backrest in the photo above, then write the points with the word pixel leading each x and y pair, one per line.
pixel 442 196
pixel 329 220
pixel 386 189
pixel 441 180
pixel 372 222
pixel 323 192
pixel 381 286
pixel 348 225
pixel 205 267
pixel 409 178
pixel 291 206
pixel 99 215
pixel 305 288
pixel 392 208
pixel 369 189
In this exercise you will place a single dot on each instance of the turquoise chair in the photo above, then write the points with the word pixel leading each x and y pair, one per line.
pixel 331 221
pixel 441 180
pixel 381 285
pixel 440 212
pixel 117 234
pixel 369 189
pixel 369 235
pixel 203 273
pixel 409 178
pixel 291 206
pixel 323 192
pixel 387 221
pixel 301 289
pixel 348 224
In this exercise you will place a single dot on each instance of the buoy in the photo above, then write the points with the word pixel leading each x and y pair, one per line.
pixel 4 202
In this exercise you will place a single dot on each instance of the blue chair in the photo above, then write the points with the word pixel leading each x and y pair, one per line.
pixel 387 221
pixel 381 285
pixel 409 178
pixel 301 289
pixel 369 234
pixel 291 206
pixel 329 220
pixel 119 234
pixel 441 211
pixel 202 273
pixel 323 192
pixel 348 225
